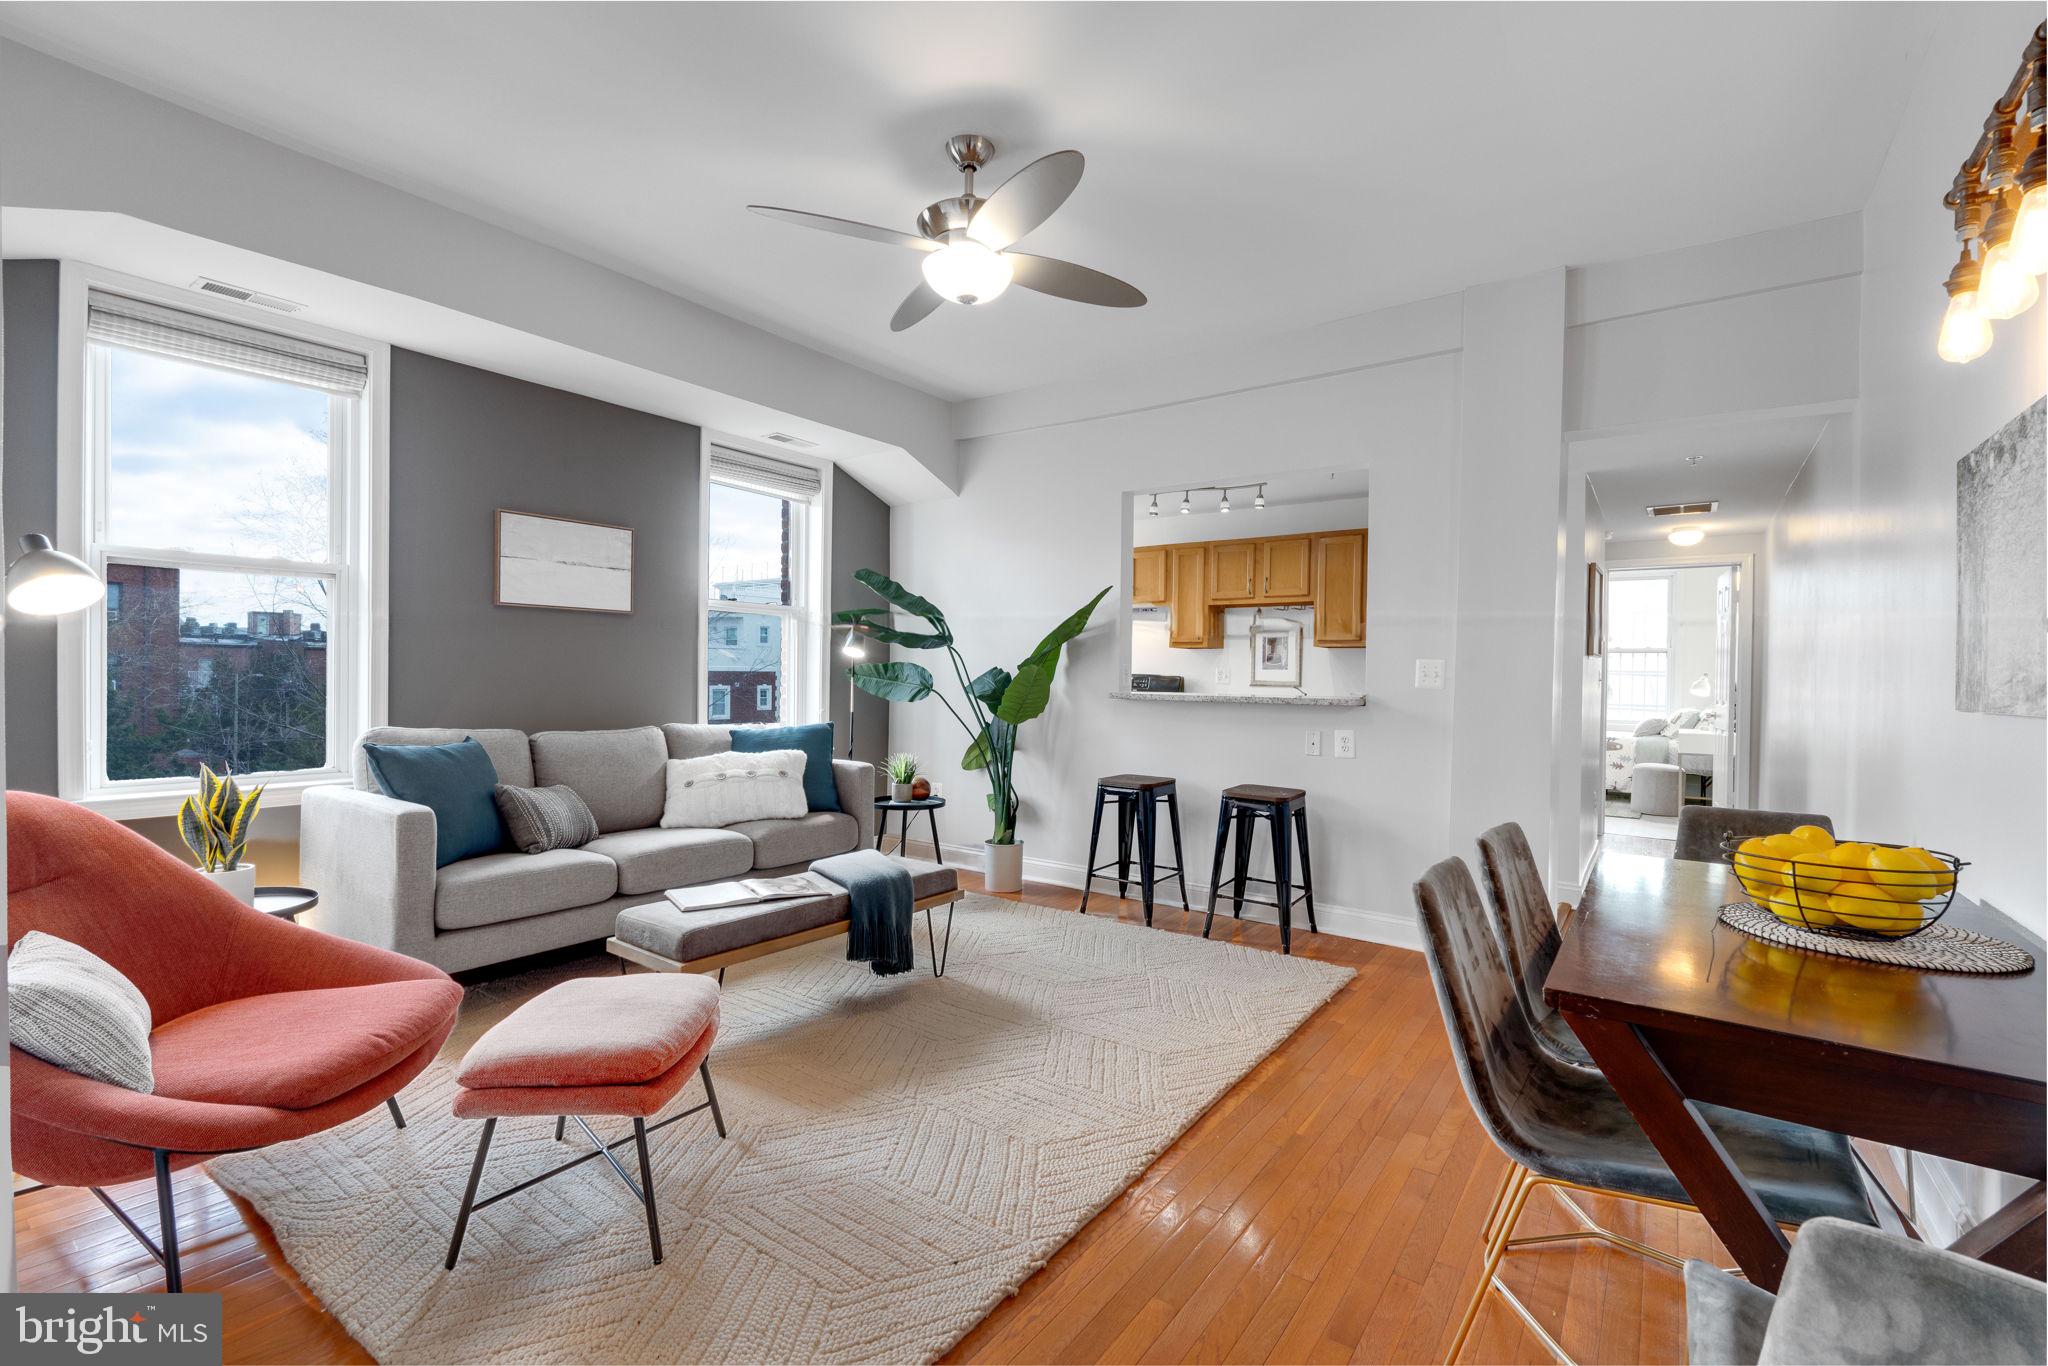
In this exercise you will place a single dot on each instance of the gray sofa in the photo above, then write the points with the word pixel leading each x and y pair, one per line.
pixel 371 857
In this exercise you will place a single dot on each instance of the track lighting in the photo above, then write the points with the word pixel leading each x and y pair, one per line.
pixel 1184 508
pixel 1259 503
pixel 1154 512
pixel 1226 502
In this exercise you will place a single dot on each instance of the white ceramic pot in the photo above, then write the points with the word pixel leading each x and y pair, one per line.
pixel 899 792
pixel 239 882
pixel 1003 866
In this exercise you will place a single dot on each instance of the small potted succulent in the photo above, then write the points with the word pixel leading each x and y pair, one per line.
pixel 214 823
pixel 902 769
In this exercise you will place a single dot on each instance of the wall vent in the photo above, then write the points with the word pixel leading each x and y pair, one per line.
pixel 1682 509
pixel 785 439
pixel 246 296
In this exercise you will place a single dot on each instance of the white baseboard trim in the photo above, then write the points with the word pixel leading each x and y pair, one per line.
pixel 1572 893
pixel 1374 927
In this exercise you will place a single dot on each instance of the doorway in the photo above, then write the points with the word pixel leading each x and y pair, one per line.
pixel 1677 684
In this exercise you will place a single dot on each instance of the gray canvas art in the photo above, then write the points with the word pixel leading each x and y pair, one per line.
pixel 2002 571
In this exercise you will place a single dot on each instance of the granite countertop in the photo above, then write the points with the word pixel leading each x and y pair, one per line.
pixel 1272 699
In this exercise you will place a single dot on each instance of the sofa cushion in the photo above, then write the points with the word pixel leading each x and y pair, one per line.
pixel 694 742
pixel 508 750
pixel 501 887
pixel 821 789
pixel 656 860
pixel 298 1049
pixel 778 843
pixel 455 782
pixel 621 775
pixel 718 790
pixel 596 1031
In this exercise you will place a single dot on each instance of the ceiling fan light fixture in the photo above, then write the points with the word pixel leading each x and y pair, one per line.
pixel 967 272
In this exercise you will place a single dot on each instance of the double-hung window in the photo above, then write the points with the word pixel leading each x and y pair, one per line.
pixel 1638 649
pixel 763 524
pixel 224 494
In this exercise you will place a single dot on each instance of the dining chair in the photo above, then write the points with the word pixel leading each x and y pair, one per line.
pixel 1701 828
pixel 1529 934
pixel 1564 1128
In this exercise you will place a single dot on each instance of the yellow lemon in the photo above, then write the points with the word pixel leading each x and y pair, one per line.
pixel 1759 874
pixel 1828 871
pixel 1800 908
pixel 1888 918
pixel 1815 836
pixel 1944 880
pixel 1900 874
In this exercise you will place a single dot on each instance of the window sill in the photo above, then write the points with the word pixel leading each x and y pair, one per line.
pixel 136 806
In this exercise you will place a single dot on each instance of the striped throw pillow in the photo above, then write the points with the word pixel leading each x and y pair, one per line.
pixel 72 1008
pixel 544 818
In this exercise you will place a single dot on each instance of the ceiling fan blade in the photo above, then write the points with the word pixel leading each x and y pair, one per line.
pixel 915 306
pixel 1026 199
pixel 1065 280
pixel 846 227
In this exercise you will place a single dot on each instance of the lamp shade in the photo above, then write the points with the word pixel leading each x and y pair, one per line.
pixel 853 647
pixel 1702 687
pixel 45 582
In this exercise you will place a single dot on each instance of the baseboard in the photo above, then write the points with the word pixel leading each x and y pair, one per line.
pixel 1374 927
pixel 1571 893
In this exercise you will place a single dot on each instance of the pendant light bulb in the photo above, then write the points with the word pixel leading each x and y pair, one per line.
pixel 1259 503
pixel 1965 331
pixel 2029 244
pixel 2005 290
pixel 1184 508
pixel 1226 501
pixel 1155 506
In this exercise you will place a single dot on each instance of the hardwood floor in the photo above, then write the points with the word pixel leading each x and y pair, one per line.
pixel 1326 1209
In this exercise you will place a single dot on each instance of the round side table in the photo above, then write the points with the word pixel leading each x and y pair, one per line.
pixel 286 903
pixel 907 812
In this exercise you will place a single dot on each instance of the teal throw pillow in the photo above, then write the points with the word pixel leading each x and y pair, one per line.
pixel 458 781
pixel 821 790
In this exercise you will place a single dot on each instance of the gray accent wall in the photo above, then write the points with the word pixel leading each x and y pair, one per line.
pixel 29 497
pixel 466 442
pixel 860 540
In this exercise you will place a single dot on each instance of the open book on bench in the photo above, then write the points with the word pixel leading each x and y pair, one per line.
pixel 711 896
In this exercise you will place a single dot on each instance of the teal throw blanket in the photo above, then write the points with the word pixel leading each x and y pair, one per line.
pixel 878 930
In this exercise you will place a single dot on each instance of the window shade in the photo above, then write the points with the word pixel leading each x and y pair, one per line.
pixel 763 474
pixel 193 336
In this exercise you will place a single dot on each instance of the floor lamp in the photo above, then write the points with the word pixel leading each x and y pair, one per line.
pixel 853 648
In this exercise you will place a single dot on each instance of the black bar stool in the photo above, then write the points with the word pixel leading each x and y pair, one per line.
pixel 1287 808
pixel 1137 799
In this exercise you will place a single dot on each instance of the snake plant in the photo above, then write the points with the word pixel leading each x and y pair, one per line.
pixel 214 822
pixel 997 700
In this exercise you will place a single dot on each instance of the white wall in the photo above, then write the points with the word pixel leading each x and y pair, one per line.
pixel 1861 712
pixel 1040 525
pixel 1692 634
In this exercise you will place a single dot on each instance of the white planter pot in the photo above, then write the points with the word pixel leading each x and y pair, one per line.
pixel 1003 866
pixel 899 792
pixel 238 882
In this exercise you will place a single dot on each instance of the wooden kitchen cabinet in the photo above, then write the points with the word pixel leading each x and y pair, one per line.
pixel 1193 623
pixel 1234 572
pixel 1148 574
pixel 1339 582
pixel 1286 565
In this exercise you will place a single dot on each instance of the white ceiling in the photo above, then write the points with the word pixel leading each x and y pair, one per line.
pixel 1747 465
pixel 1253 168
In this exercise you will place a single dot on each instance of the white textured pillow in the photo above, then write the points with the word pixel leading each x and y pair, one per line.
pixel 724 789
pixel 71 1007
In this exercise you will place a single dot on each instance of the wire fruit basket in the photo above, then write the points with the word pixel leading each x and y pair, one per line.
pixel 1846 898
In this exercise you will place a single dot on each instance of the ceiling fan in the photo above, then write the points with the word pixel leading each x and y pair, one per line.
pixel 966 240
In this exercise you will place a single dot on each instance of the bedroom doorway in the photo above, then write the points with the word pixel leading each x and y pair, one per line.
pixel 1677 674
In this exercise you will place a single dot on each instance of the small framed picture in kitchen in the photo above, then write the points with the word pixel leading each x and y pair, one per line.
pixel 1276 654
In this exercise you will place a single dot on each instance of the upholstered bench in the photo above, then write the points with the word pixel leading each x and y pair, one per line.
pixel 590 1046
pixel 661 937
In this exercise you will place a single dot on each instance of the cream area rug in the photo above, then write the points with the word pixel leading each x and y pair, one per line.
pixel 903 1152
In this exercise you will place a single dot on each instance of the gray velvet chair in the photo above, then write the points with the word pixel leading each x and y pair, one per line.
pixel 1528 933
pixel 1853 1294
pixel 1700 828
pixel 1564 1128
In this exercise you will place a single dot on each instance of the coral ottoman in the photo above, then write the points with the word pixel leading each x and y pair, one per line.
pixel 621 1046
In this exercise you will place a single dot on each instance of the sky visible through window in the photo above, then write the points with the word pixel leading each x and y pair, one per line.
pixel 746 544
pixel 221 463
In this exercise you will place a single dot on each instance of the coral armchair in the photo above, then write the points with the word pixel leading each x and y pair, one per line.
pixel 262 1031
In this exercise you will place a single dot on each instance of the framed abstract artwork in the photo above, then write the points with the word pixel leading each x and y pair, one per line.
pixel 548 561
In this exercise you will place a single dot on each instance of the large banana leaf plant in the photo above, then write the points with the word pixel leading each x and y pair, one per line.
pixel 997 700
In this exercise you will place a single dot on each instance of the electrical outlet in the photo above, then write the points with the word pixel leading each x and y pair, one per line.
pixel 1346 744
pixel 1313 745
pixel 1429 673
pixel 1222 673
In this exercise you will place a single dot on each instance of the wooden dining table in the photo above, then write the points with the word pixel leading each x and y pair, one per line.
pixel 1680 1010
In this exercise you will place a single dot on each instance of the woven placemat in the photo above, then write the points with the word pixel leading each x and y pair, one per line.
pixel 1938 948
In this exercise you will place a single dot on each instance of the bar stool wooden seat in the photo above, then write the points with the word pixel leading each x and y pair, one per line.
pixel 1136 797
pixel 1287 809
